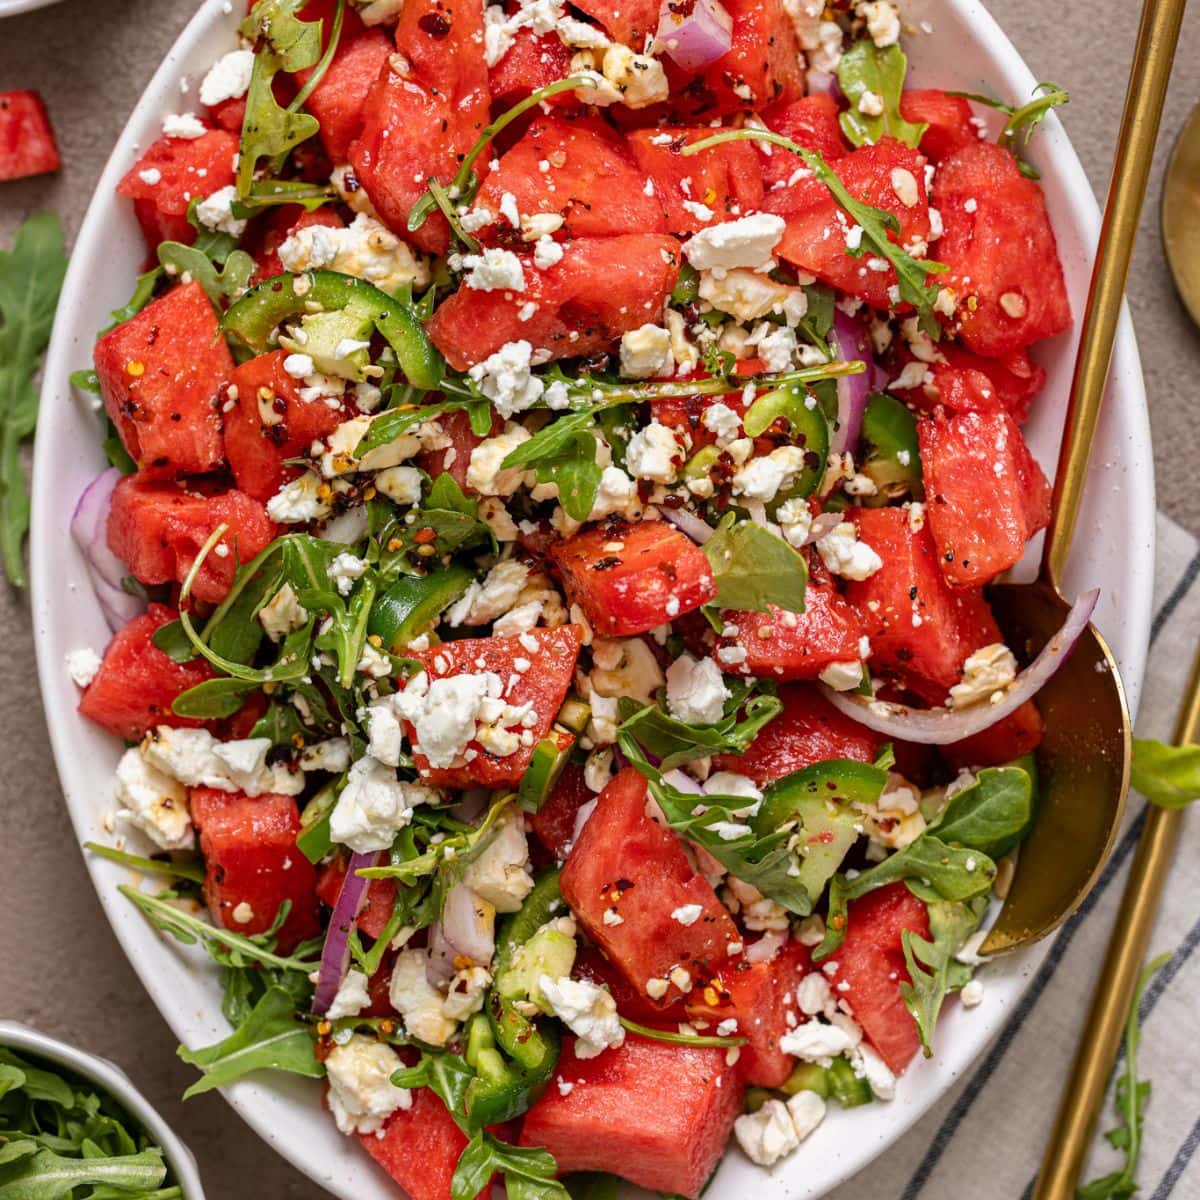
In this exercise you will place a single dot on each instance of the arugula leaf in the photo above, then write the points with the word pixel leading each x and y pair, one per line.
pixel 680 1039
pixel 193 872
pixel 992 814
pixel 564 453
pixel 269 130
pixel 270 1039
pixel 753 568
pixel 449 1075
pixel 143 293
pixel 1166 775
pixel 933 970
pixel 1130 1098
pixel 297 43
pixel 31 274
pixel 46 1175
pixel 528 1171
pixel 225 282
pixel 867 68
pixel 911 273
pixel 673 742
pixel 214 698
pixel 1027 118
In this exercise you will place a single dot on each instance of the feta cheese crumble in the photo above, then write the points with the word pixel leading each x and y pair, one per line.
pixel 588 1010
pixel 361 1093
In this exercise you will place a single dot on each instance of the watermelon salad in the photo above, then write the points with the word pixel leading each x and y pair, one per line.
pixel 559 453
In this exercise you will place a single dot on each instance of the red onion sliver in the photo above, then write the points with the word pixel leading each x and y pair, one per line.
pixel 694 32
pixel 853 391
pixel 822 524
pixel 695 527
pixel 466 929
pixel 335 954
pixel 89 529
pixel 943 726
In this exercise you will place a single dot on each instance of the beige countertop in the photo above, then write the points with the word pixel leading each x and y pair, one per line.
pixel 60 966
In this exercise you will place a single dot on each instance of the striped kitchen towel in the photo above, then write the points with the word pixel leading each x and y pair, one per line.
pixel 984 1141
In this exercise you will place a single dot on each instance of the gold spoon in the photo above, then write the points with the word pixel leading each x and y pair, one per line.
pixel 1084 760
pixel 1114 990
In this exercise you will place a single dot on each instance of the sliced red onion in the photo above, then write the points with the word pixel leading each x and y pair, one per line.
pixel 466 929
pixel 683 782
pixel 470 806
pixel 694 32
pixel 582 816
pixel 335 954
pixel 943 726
pixel 822 524
pixel 823 83
pixel 89 528
pixel 853 391
pixel 695 527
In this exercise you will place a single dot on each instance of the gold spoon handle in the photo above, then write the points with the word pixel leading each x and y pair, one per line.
pixel 1088 1083
pixel 1151 70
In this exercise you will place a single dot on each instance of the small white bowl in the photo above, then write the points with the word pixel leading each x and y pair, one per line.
pixel 110 1079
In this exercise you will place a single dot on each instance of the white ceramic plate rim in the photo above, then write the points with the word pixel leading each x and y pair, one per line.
pixel 10 8
pixel 108 1077
pixel 285 1111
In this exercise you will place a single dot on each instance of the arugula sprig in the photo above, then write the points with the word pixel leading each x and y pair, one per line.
pixel 31 274
pixel 1131 1094
pixel 1023 119
pixel 754 568
pixel 1166 775
pixel 867 68
pixel 911 273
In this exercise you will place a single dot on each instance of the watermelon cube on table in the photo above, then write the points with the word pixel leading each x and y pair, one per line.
pixel 656 1114
pixel 158 528
pixel 161 375
pixel 808 730
pixel 921 629
pixel 171 174
pixel 761 998
pixel 787 645
pixel 985 494
pixel 269 424
pixel 252 865
pixel 625 863
pixel 601 288
pixel 630 578
pixel 542 684
pixel 419 1147
pixel 137 683
pixel 871 964
pixel 27 145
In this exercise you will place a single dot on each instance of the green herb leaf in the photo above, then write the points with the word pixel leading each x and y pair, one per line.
pixel 564 453
pixel 219 283
pixel 31 274
pixel 867 68
pixel 269 130
pixel 297 43
pixel 143 293
pixel 990 815
pixel 193 872
pixel 449 1075
pixel 46 1175
pixel 1168 776
pixel 753 568
pixel 271 1039
pixel 680 1039
pixel 528 1171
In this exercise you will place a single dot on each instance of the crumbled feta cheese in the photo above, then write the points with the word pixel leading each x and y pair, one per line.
pixel 617 493
pixel 484 473
pixel 501 874
pixel 972 994
pixel 687 914
pixel 646 353
pixel 762 478
pixel 401 485
pixel 282 614
pixel 374 806
pixel 300 501
pixel 216 212
pixel 843 676
pixel 228 78
pixel 625 667
pixel 344 571
pixel 696 691
pixel 82 665
pixel 154 802
pixel 195 758
pixel 869 1066
pixel 588 1010
pixel 483 602
pixel 986 675
pixel 366 249
pixel 546 253
pixel 807 1111
pixel 883 21
pixel 870 104
pixel 745 242
pixel 747 295
pixel 418 1001
pixel 495 270
pixel 795 521
pixel 183 125
pixel 635 80
pixel 361 1093
pixel 814 1041
pixel 843 554
pixel 723 421
pixel 332 755
pixel 506 380
pixel 352 997
pixel 768 1134
pixel 654 453
pixel 151 176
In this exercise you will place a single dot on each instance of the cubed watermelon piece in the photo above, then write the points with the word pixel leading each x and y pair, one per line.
pixel 1011 737
pixel 817 228
pixel 948 118
pixel 443 42
pixel 173 172
pixel 727 179
pixel 160 375
pixel 593 182
pixel 543 685
pixel 137 683
pixel 602 288
pixel 656 1114
pixel 786 645
pixel 1005 271
pixel 270 423
pixel 627 21
pixel 921 629
pixel 631 578
pixel 532 62
pixel 810 122
pixel 229 114
pixel 277 227
pixel 871 963
pixel 377 908
pixel 27 145
pixel 1012 382
pixel 554 823
pixel 624 862
pixel 252 866
pixel 419 1147
pixel 761 998
pixel 158 527
pixel 986 496
pixel 808 730
pixel 337 101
